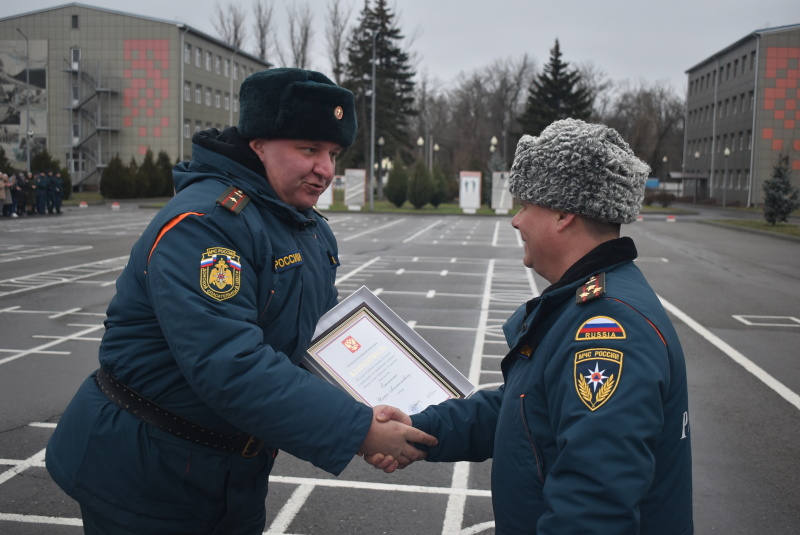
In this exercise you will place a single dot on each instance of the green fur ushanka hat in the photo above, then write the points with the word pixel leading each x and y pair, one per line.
pixel 580 168
pixel 296 104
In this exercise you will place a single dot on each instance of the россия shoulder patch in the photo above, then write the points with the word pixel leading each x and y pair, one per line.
pixel 600 328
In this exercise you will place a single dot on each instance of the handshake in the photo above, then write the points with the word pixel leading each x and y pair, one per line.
pixel 389 441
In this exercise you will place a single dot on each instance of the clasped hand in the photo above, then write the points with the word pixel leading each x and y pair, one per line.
pixel 388 445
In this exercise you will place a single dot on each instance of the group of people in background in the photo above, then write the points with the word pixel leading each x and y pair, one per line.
pixel 28 194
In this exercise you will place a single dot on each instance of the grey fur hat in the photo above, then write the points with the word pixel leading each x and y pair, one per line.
pixel 580 168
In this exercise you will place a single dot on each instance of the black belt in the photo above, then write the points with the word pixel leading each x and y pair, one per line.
pixel 169 422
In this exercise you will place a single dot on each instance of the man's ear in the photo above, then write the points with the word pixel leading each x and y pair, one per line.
pixel 257 145
pixel 565 221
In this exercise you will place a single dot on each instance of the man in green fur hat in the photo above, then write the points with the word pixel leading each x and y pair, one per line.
pixel 199 384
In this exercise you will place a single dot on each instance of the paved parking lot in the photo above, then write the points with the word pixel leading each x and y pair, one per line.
pixel 455 280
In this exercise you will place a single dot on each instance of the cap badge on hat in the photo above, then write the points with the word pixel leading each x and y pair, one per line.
pixel 338 112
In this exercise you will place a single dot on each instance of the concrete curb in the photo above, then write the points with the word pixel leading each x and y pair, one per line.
pixel 751 230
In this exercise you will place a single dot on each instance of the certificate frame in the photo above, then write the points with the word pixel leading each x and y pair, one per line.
pixel 425 368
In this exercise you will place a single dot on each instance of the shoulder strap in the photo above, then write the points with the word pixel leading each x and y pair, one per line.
pixel 233 199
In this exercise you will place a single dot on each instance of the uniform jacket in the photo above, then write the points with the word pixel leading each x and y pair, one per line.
pixel 211 316
pixel 589 433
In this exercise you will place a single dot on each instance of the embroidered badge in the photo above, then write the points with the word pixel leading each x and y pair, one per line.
pixel 338 112
pixel 220 273
pixel 334 259
pixel 593 289
pixel 600 328
pixel 597 375
pixel 282 263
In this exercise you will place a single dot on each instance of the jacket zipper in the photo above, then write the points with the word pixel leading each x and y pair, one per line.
pixel 530 437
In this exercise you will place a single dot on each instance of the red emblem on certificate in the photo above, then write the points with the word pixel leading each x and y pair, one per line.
pixel 351 344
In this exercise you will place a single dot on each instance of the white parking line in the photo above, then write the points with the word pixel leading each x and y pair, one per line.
pixel 423 231
pixel 737 357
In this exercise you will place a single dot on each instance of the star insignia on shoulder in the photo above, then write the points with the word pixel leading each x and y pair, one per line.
pixel 591 289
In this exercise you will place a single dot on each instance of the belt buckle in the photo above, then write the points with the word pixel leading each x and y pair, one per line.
pixel 252 447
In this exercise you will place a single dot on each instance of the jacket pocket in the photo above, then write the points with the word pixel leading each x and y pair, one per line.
pixel 529 435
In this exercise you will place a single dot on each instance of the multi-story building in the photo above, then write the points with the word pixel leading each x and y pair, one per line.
pixel 741 113
pixel 89 84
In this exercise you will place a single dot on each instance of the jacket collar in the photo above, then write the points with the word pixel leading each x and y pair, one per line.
pixel 602 257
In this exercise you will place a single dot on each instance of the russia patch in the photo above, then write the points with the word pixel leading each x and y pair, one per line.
pixel 597 375
pixel 287 261
pixel 601 328
pixel 220 273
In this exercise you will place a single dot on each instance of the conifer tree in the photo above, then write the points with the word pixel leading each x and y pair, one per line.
pixel 558 92
pixel 164 166
pixel 438 187
pixel 148 180
pixel 397 186
pixel 113 181
pixel 419 185
pixel 394 83
pixel 780 197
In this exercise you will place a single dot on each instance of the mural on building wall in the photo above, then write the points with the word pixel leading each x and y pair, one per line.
pixel 780 99
pixel 147 88
pixel 15 112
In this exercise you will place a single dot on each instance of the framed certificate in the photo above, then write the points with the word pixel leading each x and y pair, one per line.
pixel 363 347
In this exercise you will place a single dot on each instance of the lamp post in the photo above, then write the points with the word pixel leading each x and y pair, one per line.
pixel 435 152
pixel 727 153
pixel 381 141
pixel 372 132
pixel 420 144
pixel 697 178
pixel 28 136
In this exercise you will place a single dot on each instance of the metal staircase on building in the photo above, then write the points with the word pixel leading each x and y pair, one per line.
pixel 94 117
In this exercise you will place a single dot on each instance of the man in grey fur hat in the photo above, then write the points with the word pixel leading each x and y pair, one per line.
pixel 577 445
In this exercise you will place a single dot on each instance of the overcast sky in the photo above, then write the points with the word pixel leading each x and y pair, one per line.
pixel 625 39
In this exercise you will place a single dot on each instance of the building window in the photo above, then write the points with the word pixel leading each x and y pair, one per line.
pixel 236 103
pixel 75 22
pixel 218 99
pixel 752 59
pixel 226 102
pixel 735 67
pixel 227 68
pixel 198 94
pixel 218 65
pixel 187 92
pixel 187 53
pixel 751 101
pixel 186 132
pixel 198 126
pixel 208 96
pixel 198 57
pixel 235 71
pixel 208 61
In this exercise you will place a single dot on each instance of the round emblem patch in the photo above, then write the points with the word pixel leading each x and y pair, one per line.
pixel 338 112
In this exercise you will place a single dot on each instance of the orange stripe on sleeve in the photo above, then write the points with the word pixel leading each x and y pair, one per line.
pixel 174 221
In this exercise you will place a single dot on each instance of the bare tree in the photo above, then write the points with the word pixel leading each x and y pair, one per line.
pixel 650 117
pixel 228 21
pixel 299 19
pixel 336 37
pixel 262 27
pixel 599 87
